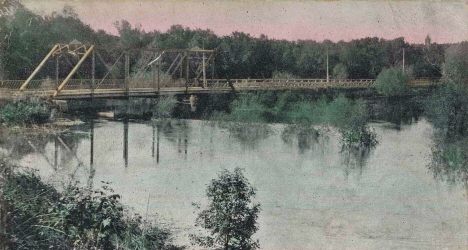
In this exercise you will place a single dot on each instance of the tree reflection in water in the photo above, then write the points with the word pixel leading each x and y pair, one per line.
pixel 248 134
pixel 308 137
pixel 58 150
pixel 450 160
pixel 397 111
pixel 355 158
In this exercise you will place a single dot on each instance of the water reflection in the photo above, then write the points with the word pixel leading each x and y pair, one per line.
pixel 125 152
pixel 306 137
pixel 307 184
pixel 450 160
pixel 398 112
pixel 248 134
pixel 355 159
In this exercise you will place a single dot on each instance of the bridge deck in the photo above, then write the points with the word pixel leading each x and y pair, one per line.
pixel 115 88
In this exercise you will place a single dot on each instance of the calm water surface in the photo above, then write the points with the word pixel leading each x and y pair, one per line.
pixel 313 195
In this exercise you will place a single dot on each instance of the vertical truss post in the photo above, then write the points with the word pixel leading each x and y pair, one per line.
pixel 56 72
pixel 187 73
pixel 204 70
pixel 159 75
pixel 181 65
pixel 127 72
pixel 93 69
pixel 25 84
pixel 73 71
pixel 213 70
pixel 154 77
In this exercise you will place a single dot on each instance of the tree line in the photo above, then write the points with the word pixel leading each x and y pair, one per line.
pixel 26 37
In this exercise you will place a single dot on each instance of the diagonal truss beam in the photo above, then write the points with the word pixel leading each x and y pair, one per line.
pixel 200 68
pixel 109 70
pixel 25 84
pixel 73 71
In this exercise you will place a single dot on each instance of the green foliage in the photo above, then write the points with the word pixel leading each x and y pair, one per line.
pixel 447 109
pixel 40 217
pixel 25 111
pixel 392 81
pixel 349 116
pixel 456 64
pixel 247 108
pixel 450 159
pixel 27 37
pixel 230 217
pixel 345 113
pixel 165 106
pixel 358 137
pixel 340 71
pixel 283 75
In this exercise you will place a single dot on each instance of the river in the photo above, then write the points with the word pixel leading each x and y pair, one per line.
pixel 312 195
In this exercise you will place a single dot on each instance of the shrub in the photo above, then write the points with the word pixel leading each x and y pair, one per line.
pixel 25 111
pixel 247 108
pixel 165 106
pixel 230 217
pixel 447 109
pixel 392 81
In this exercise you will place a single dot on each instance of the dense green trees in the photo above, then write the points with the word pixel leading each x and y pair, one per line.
pixel 27 37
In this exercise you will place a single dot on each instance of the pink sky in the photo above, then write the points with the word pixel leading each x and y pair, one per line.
pixel 335 20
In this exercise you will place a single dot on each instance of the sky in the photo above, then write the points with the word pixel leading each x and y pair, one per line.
pixel 444 21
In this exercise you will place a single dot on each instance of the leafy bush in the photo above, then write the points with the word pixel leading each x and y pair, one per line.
pixel 392 81
pixel 230 217
pixel 25 111
pixel 247 108
pixel 40 217
pixel 447 109
pixel 165 106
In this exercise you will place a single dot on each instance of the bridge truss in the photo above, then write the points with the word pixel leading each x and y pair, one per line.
pixel 145 73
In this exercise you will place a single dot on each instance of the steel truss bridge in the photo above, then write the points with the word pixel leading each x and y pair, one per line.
pixel 184 71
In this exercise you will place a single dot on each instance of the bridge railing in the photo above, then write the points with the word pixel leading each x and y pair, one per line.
pixel 15 85
pixel 83 86
pixel 11 84
pixel 108 84
pixel 289 83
